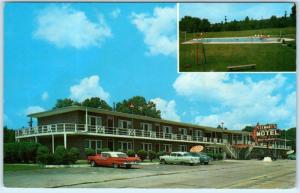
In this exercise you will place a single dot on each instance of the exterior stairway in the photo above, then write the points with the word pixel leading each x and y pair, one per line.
pixel 250 148
pixel 230 151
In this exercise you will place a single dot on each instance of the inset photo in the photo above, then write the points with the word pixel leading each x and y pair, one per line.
pixel 224 37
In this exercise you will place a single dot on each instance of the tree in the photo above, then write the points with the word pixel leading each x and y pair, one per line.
pixel 248 128
pixel 9 135
pixel 96 102
pixel 60 103
pixel 139 106
pixel 290 135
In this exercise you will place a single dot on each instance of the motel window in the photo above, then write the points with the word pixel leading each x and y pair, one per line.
pixel 167 147
pixel 125 124
pixel 94 144
pixel 147 146
pixel 125 145
pixel 146 126
pixel 183 131
pixel 94 120
pixel 198 133
pixel 167 129
pixel 182 148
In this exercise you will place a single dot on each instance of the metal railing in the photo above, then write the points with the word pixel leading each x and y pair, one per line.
pixel 61 128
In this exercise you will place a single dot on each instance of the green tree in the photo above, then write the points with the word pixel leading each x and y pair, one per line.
pixel 96 102
pixel 9 135
pixel 60 103
pixel 248 128
pixel 139 106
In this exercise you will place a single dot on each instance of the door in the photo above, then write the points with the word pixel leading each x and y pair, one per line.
pixel 110 125
pixel 110 145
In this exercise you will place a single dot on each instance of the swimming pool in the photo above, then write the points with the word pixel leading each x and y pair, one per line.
pixel 233 40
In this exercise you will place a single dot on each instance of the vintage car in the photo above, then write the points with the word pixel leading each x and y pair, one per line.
pixel 179 158
pixel 114 159
pixel 203 157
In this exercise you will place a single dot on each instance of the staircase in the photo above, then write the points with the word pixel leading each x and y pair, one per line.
pixel 250 148
pixel 230 151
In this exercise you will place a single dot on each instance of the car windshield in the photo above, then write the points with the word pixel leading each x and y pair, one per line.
pixel 121 155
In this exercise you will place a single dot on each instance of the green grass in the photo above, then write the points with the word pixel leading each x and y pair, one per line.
pixel 267 57
pixel 20 167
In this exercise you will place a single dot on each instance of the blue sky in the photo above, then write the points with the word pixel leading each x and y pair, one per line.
pixel 116 51
pixel 216 12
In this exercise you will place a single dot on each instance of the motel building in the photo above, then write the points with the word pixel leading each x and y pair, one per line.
pixel 85 127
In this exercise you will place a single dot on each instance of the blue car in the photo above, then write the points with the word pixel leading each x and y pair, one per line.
pixel 203 157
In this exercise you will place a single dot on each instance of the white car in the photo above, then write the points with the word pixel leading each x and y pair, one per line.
pixel 179 158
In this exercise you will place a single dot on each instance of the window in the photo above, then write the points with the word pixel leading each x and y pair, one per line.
pixel 94 144
pixel 146 126
pixel 183 131
pixel 125 124
pixel 182 148
pixel 167 129
pixel 124 145
pixel 147 146
pixel 198 133
pixel 94 120
pixel 167 147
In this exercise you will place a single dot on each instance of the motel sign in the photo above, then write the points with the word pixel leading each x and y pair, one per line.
pixel 265 132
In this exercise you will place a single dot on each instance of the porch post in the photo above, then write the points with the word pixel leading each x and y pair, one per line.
pixel 35 139
pixel 53 143
pixel 65 140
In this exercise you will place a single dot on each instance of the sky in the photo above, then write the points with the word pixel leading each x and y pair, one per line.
pixel 216 12
pixel 115 51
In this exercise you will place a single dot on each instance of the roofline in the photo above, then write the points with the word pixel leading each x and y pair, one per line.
pixel 116 113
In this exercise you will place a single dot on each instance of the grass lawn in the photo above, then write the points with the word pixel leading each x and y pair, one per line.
pixel 267 57
pixel 20 167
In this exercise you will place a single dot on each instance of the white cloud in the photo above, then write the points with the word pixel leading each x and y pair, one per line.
pixel 239 102
pixel 115 13
pixel 159 30
pixel 167 108
pixel 45 96
pixel 33 109
pixel 88 87
pixel 64 26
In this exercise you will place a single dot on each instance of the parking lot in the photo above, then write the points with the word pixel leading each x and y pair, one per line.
pixel 220 174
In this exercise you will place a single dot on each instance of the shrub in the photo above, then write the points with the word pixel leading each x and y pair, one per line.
pixel 142 154
pixel 104 149
pixel 152 155
pixel 220 156
pixel 131 153
pixel 43 155
pixel 89 151
pixel 161 153
pixel 73 155
pixel 60 155
pixel 11 153
pixel 28 151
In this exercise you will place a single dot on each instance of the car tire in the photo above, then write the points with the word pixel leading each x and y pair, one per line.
pixel 115 165
pixel 128 166
pixel 93 164
pixel 192 164
pixel 163 162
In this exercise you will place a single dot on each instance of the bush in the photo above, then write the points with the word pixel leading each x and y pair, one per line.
pixel 28 151
pixel 73 155
pixel 131 153
pixel 104 149
pixel 142 154
pixel 220 156
pixel 89 151
pixel 11 153
pixel 43 155
pixel 20 152
pixel 161 153
pixel 152 155
pixel 60 155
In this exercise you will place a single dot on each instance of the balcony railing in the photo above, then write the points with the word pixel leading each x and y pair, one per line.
pixel 62 128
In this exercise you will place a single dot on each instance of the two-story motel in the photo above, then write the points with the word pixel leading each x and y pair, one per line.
pixel 85 127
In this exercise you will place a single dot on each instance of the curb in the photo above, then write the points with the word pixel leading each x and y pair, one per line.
pixel 67 166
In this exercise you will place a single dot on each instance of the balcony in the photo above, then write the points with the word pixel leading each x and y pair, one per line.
pixel 70 128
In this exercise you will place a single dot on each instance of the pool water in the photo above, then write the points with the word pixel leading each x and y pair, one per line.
pixel 236 40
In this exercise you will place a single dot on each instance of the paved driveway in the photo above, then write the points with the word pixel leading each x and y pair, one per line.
pixel 221 174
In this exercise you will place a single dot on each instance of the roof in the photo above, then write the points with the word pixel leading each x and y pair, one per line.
pixel 132 116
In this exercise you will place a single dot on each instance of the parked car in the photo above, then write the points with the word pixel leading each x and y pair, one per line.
pixel 292 157
pixel 179 158
pixel 114 159
pixel 203 157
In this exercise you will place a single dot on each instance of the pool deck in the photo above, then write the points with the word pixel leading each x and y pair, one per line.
pixel 272 42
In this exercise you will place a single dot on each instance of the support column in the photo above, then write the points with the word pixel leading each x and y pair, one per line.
pixel 53 145
pixel 65 140
pixel 35 139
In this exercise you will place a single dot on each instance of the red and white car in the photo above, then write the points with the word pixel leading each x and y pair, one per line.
pixel 114 159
